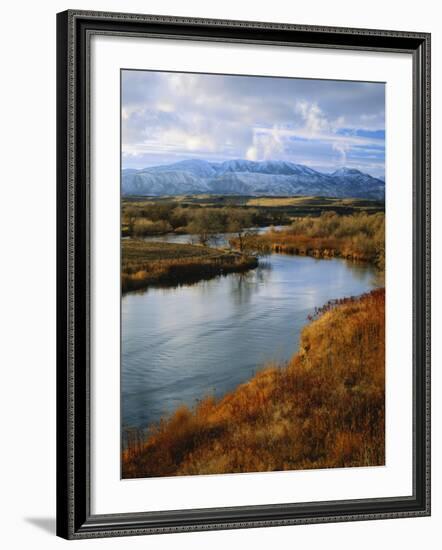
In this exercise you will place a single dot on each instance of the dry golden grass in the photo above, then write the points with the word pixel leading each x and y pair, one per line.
pixel 358 237
pixel 147 263
pixel 323 409
pixel 325 202
pixel 279 201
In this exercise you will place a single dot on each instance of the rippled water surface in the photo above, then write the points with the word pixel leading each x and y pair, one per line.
pixel 180 344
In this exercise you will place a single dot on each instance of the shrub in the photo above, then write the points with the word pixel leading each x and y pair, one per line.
pixel 357 237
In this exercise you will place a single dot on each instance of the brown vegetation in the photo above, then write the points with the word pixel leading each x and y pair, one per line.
pixel 181 214
pixel 358 237
pixel 147 263
pixel 312 204
pixel 323 409
pixel 143 218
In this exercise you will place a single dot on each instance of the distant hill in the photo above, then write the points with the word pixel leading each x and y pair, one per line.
pixel 244 177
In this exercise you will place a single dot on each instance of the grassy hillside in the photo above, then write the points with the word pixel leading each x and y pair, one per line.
pixel 316 202
pixel 323 409
pixel 146 263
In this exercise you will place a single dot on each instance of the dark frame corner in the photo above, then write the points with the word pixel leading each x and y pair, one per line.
pixel 74 519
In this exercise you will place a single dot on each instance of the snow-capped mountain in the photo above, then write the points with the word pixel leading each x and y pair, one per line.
pixel 244 177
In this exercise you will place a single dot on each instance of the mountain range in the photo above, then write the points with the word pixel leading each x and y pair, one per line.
pixel 245 177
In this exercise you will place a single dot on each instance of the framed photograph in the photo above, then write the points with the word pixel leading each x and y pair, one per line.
pixel 243 274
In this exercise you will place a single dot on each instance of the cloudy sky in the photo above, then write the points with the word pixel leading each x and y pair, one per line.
pixel 324 124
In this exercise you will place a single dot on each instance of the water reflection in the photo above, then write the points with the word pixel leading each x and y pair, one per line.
pixel 244 285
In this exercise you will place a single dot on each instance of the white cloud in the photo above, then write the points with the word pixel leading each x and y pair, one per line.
pixel 180 115
pixel 342 148
pixel 267 145
pixel 315 122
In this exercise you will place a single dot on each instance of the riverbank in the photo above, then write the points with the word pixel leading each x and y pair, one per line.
pixel 148 263
pixel 358 237
pixel 323 409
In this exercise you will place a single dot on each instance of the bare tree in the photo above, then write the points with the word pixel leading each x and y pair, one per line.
pixel 206 224
pixel 238 222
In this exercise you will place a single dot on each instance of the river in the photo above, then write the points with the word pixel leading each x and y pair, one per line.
pixel 181 344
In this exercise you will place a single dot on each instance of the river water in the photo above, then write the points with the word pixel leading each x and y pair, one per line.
pixel 181 344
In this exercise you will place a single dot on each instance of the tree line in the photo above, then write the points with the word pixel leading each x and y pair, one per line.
pixel 205 223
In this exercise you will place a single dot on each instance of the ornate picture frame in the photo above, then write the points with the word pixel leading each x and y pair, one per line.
pixel 75 516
